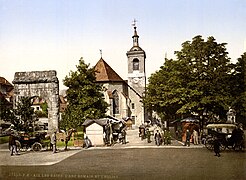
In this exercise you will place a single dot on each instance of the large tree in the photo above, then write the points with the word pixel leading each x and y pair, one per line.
pixel 194 83
pixel 22 117
pixel 238 89
pixel 84 96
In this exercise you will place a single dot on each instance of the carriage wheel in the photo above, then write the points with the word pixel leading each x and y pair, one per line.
pixel 18 145
pixel 209 144
pixel 36 146
pixel 222 147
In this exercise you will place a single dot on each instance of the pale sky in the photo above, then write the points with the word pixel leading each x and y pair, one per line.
pixel 37 35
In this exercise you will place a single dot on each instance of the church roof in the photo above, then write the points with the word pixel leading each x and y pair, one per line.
pixel 105 73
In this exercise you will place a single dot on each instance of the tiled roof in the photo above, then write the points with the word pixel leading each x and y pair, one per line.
pixel 5 82
pixel 105 73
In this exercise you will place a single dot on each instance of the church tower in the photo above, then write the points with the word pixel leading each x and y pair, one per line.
pixel 136 79
pixel 136 65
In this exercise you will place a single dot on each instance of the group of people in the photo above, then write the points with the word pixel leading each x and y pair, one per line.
pixel 191 137
pixel 114 133
pixel 160 136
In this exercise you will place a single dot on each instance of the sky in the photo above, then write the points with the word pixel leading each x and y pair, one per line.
pixel 38 35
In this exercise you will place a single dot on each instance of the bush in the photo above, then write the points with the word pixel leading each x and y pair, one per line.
pixel 4 139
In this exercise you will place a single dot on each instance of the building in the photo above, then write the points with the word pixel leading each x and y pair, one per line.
pixel 125 96
pixel 6 100
pixel 6 92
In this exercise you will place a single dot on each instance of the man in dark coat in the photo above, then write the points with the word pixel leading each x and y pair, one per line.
pixel 216 147
pixel 12 144
pixel 157 138
pixel 187 141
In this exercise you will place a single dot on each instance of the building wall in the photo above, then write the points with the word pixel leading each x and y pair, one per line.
pixel 95 134
pixel 122 91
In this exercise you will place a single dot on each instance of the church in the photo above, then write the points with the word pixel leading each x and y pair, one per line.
pixel 125 96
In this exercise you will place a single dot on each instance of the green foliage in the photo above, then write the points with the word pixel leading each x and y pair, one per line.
pixel 238 88
pixel 196 82
pixel 6 112
pixel 84 96
pixel 25 116
pixel 41 114
pixel 44 107
pixel 4 139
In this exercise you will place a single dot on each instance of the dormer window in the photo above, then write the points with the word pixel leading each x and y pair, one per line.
pixel 135 65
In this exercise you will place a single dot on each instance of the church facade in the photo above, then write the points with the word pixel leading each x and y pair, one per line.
pixel 125 96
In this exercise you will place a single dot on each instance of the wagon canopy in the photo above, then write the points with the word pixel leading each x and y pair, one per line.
pixel 228 126
pixel 189 119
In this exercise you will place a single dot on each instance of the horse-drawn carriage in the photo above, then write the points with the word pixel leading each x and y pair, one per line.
pixel 117 129
pixel 228 135
pixel 35 141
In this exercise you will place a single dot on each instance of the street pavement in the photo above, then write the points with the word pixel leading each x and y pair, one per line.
pixel 135 160
pixel 48 158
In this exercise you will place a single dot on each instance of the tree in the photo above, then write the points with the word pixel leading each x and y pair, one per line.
pixel 194 83
pixel 209 73
pixel 84 96
pixel 165 92
pixel 6 111
pixel 24 115
pixel 238 88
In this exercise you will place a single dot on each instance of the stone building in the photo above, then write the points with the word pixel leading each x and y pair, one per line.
pixel 43 84
pixel 125 96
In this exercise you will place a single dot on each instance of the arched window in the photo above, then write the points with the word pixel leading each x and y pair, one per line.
pixel 116 103
pixel 135 64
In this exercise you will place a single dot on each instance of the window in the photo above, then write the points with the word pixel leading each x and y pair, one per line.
pixel 135 65
pixel 115 103
pixel 133 119
pixel 133 106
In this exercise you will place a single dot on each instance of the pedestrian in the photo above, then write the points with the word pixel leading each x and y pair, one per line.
pixel 195 137
pixel 87 142
pixel 187 141
pixel 148 134
pixel 12 144
pixel 177 134
pixel 216 147
pixel 53 141
pixel 157 138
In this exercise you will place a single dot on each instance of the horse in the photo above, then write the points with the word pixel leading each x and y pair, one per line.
pixel 68 136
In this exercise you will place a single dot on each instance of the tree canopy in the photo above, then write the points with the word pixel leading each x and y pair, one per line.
pixel 194 83
pixel 238 88
pixel 22 117
pixel 84 96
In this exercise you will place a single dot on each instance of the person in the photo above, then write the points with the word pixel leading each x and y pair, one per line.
pixel 216 147
pixel 177 134
pixel 12 144
pixel 87 142
pixel 157 138
pixel 148 134
pixel 53 141
pixel 107 133
pixel 187 141
pixel 195 137
pixel 124 136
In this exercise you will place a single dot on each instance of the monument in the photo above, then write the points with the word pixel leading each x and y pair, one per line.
pixel 44 84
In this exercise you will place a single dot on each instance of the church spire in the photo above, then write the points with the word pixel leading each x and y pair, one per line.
pixel 135 36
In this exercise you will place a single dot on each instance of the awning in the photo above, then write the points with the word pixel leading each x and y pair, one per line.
pixel 189 119
pixel 231 126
